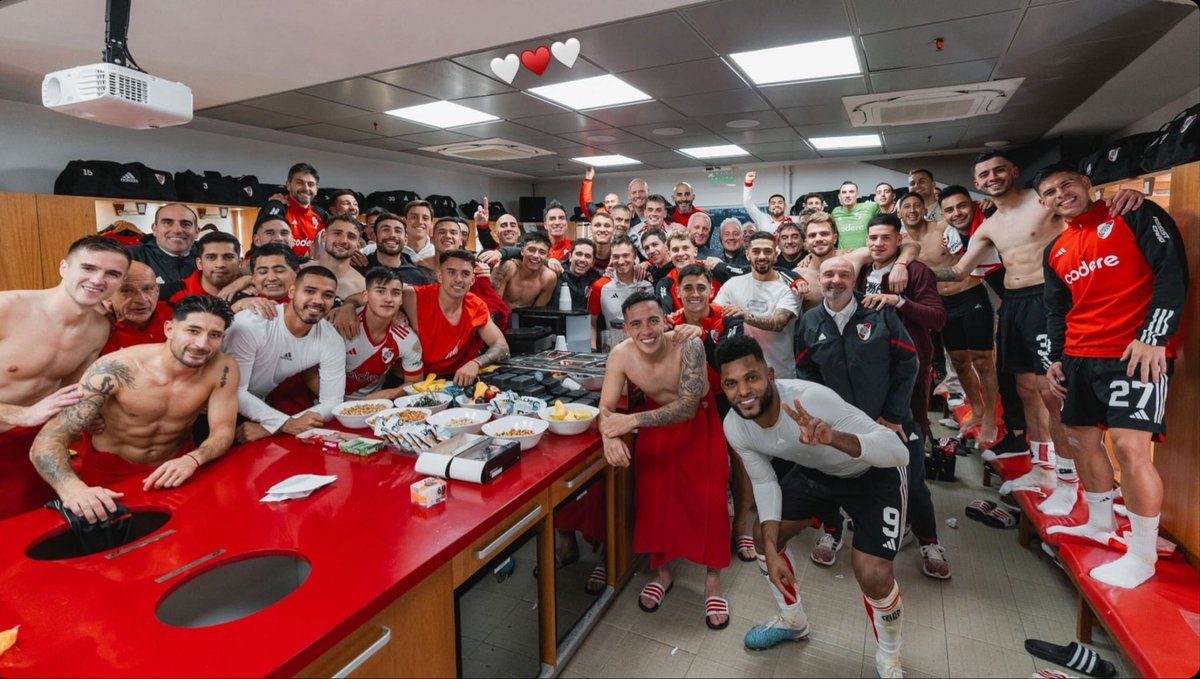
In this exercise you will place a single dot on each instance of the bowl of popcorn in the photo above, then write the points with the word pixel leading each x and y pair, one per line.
pixel 461 420
pixel 525 430
pixel 436 402
pixel 569 420
pixel 354 414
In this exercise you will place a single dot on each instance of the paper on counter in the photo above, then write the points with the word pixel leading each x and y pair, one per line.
pixel 296 487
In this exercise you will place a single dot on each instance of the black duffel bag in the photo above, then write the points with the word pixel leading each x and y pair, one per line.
pixel 325 196
pixel 209 187
pixel 443 206
pixel 392 201
pixel 253 193
pixel 109 179
pixel 496 210
pixel 1175 143
pixel 1120 159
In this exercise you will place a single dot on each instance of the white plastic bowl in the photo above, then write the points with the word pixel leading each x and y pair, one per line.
pixel 357 421
pixel 570 427
pixel 411 388
pixel 442 398
pixel 395 411
pixel 495 428
pixel 460 401
pixel 476 416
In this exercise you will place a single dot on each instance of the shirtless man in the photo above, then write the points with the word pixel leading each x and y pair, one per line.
pixel 47 338
pixel 526 282
pixel 341 241
pixel 1020 230
pixel 148 396
pixel 681 504
pixel 138 315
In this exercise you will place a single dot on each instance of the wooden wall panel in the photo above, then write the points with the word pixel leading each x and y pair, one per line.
pixel 62 220
pixel 20 249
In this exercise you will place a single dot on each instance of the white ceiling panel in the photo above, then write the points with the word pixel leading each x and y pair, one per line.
pixel 757 136
pixel 813 93
pixel 369 94
pixel 389 144
pixel 720 123
pixel 436 137
pixel 899 79
pixel 631 148
pixel 600 137
pixel 511 105
pixel 500 128
pixel 305 106
pixel 642 43
pixel 562 122
pixel 333 132
pixel 815 115
pixel 740 26
pixel 381 123
pixel 882 15
pixel 983 37
pixel 443 80
pixel 936 139
pixel 686 126
pixel 733 101
pixel 634 114
pixel 248 115
pixel 674 80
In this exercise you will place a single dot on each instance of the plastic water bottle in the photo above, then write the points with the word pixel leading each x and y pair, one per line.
pixel 564 298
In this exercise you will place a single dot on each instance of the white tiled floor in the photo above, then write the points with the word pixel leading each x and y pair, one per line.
pixel 972 625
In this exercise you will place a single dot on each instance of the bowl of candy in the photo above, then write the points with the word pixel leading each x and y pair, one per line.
pixel 461 420
pixel 525 430
pixel 354 414
pixel 436 402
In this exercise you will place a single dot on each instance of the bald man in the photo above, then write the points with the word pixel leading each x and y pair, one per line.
pixel 684 198
pixel 137 314
pixel 639 191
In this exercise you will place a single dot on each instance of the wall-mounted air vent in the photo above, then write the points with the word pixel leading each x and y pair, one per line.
pixel 930 105
pixel 488 150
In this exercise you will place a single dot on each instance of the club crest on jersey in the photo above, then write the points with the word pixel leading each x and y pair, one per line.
pixel 388 355
pixel 1104 229
pixel 864 331
pixel 714 335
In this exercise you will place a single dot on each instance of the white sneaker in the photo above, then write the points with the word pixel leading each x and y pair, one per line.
pixel 824 552
pixel 933 561
pixel 888 665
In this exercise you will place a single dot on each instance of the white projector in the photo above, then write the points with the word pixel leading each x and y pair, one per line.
pixel 116 95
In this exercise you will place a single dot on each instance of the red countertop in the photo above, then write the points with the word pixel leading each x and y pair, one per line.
pixel 366 543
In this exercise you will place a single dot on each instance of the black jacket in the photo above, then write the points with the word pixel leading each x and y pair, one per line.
pixel 167 267
pixel 872 364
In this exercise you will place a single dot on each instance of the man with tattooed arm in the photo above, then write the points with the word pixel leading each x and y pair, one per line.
pixel 148 396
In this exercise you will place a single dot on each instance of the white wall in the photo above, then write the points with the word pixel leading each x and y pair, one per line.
pixel 35 145
pixel 1155 120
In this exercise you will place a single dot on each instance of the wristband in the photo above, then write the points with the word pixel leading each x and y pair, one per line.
pixel 192 458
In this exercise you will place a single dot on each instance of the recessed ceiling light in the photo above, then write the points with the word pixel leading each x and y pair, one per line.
pixel 667 131
pixel 853 141
pixel 442 114
pixel 589 93
pixel 606 161
pixel 804 61
pixel 742 123
pixel 715 151
pixel 601 138
pixel 998 144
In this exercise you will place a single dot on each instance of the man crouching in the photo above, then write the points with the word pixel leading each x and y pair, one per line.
pixel 148 396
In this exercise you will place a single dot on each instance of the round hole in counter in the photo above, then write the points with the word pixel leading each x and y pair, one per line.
pixel 61 544
pixel 232 589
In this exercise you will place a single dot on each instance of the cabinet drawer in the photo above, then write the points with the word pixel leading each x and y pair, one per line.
pixel 577 477
pixel 494 541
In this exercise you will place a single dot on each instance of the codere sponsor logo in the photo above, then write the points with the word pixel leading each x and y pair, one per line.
pixel 1085 269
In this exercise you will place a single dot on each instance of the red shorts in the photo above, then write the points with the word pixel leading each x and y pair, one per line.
pixel 21 488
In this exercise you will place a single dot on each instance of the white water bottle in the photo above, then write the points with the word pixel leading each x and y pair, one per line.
pixel 564 298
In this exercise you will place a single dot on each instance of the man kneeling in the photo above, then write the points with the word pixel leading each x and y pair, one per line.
pixel 148 396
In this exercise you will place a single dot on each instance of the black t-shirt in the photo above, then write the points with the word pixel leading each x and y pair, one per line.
pixel 408 272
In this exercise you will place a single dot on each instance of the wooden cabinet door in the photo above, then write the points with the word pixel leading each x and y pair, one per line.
pixel 61 220
pixel 20 244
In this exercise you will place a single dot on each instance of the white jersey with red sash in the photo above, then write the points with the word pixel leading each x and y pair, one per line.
pixel 368 360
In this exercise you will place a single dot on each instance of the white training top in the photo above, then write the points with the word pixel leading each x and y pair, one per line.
pixel 756 445
pixel 763 298
pixel 762 220
pixel 268 353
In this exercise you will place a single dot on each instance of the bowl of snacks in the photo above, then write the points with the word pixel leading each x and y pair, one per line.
pixel 354 414
pixel 403 415
pixel 568 420
pixel 525 430
pixel 478 396
pixel 430 384
pixel 461 420
pixel 436 402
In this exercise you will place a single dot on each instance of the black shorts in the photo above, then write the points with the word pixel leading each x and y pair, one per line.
pixel 1100 395
pixel 1022 338
pixel 876 501
pixel 969 325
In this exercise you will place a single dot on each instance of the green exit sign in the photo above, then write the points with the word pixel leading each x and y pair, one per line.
pixel 720 177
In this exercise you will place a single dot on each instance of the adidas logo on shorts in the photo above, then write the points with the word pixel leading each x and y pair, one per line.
pixel 890 544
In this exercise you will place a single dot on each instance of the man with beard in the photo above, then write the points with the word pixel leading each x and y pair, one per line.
pixel 274 268
pixel 341 204
pixel 453 322
pixel 842 458
pixel 685 199
pixel 580 274
pixel 920 182
pixel 218 263
pixel 776 214
pixel 390 239
pixel 47 339
pixel 585 196
pixel 608 294
pixel 138 316
pixel 1020 230
pixel 885 198
pixel 526 282
pixel 822 241
pixel 852 216
pixel 148 396
pixel 680 494
pixel 172 255
pixel 340 242
pixel 555 220
pixel 297 207
pixel 507 234
pixel 763 300
pixel 268 351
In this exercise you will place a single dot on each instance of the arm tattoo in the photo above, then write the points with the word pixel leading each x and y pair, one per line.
pixel 494 354
pixel 692 382
pixel 105 376
pixel 224 375
pixel 774 323
pixel 945 275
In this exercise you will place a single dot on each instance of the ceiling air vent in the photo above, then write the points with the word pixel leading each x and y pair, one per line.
pixel 930 105
pixel 487 150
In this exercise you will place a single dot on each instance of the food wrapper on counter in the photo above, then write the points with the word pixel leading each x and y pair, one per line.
pixel 9 636
pixel 428 492
pixel 296 487
pixel 511 403
pixel 414 436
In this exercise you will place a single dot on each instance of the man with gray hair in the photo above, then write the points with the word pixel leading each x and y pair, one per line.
pixel 732 243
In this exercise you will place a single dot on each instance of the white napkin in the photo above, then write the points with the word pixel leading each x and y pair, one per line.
pixel 296 487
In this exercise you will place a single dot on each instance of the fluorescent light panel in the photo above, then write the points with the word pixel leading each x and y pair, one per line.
pixel 606 161
pixel 853 141
pixel 715 151
pixel 442 114
pixel 804 61
pixel 588 93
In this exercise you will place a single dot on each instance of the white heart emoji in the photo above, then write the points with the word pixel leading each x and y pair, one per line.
pixel 506 68
pixel 566 52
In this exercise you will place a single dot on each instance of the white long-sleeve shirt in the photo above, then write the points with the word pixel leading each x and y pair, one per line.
pixel 764 221
pixel 756 445
pixel 268 353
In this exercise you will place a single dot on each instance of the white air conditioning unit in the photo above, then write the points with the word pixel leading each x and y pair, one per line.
pixel 931 105
pixel 488 150
pixel 116 95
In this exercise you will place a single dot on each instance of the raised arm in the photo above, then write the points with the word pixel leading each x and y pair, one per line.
pixel 585 192
pixel 761 219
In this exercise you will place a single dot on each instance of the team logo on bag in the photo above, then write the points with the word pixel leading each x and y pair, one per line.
pixel 1104 229
pixel 864 331
pixel 162 179
pixel 1187 122
pixel 1112 155
pixel 248 191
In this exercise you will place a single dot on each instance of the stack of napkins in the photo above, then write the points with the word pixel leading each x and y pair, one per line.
pixel 296 487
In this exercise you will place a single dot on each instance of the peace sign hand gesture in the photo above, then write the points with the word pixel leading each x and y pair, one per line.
pixel 813 430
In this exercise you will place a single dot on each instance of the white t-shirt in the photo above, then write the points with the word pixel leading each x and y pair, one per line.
pixel 268 353
pixel 763 298
pixel 756 445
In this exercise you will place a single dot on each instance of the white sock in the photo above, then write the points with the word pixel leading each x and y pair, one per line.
pixel 790 609
pixel 1041 477
pixel 1137 565
pixel 1100 524
pixel 1062 501
pixel 887 619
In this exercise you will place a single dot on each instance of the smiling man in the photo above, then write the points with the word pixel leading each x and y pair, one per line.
pixel 685 198
pixel 340 241
pixel 764 301
pixel 852 216
pixel 172 255
pixel 138 316
pixel 305 218
pixel 555 220
pixel 526 282
pixel 148 396
pixel 608 294
pixel 218 263
pixel 776 214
